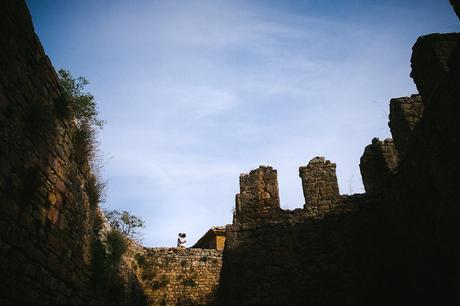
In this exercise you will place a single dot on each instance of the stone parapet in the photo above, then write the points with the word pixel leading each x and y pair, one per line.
pixel 259 195
pixel 319 183
pixel 378 164
pixel 179 276
pixel 405 112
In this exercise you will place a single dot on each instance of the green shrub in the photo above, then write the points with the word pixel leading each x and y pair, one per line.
pixel 116 246
pixel 84 144
pixel 161 283
pixel 148 273
pixel 76 100
pixel 95 189
pixel 140 259
pixel 62 107
pixel 189 282
pixel 127 223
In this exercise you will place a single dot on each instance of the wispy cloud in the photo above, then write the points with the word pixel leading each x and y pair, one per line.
pixel 196 92
pixel 224 89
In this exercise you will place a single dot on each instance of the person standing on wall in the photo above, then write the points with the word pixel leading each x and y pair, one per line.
pixel 181 240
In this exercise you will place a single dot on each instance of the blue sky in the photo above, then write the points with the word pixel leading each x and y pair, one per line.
pixel 196 92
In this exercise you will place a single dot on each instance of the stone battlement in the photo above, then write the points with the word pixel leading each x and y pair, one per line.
pixel 259 200
pixel 319 184
pixel 259 195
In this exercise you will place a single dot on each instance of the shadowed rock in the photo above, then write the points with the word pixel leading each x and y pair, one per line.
pixel 431 62
pixel 377 165
pixel 405 112
pixel 456 6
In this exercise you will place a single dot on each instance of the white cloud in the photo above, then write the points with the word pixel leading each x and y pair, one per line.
pixel 197 92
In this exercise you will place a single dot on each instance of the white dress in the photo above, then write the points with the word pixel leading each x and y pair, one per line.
pixel 181 242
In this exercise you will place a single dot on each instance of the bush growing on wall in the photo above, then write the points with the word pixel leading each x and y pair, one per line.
pixel 116 246
pixel 79 104
pixel 127 223
pixel 76 101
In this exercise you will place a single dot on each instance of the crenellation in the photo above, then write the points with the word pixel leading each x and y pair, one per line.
pixel 259 195
pixel 258 201
pixel 319 184
pixel 405 113
pixel 378 163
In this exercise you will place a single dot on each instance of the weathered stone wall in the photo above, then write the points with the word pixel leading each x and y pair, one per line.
pixel 319 183
pixel 421 203
pixel 179 276
pixel 397 246
pixel 49 215
pixel 258 201
pixel 398 243
pixel 378 164
pixel 405 112
pixel 286 259
pixel 46 217
pixel 259 195
pixel 433 55
pixel 298 263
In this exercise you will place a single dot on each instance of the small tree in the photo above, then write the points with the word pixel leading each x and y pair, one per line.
pixel 79 102
pixel 128 224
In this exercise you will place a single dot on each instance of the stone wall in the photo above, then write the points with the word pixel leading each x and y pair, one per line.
pixel 258 201
pixel 378 164
pixel 405 112
pixel 46 217
pixel 313 262
pixel 319 183
pixel 49 215
pixel 288 258
pixel 179 276
pixel 397 244
pixel 433 55
pixel 421 203
pixel 259 195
